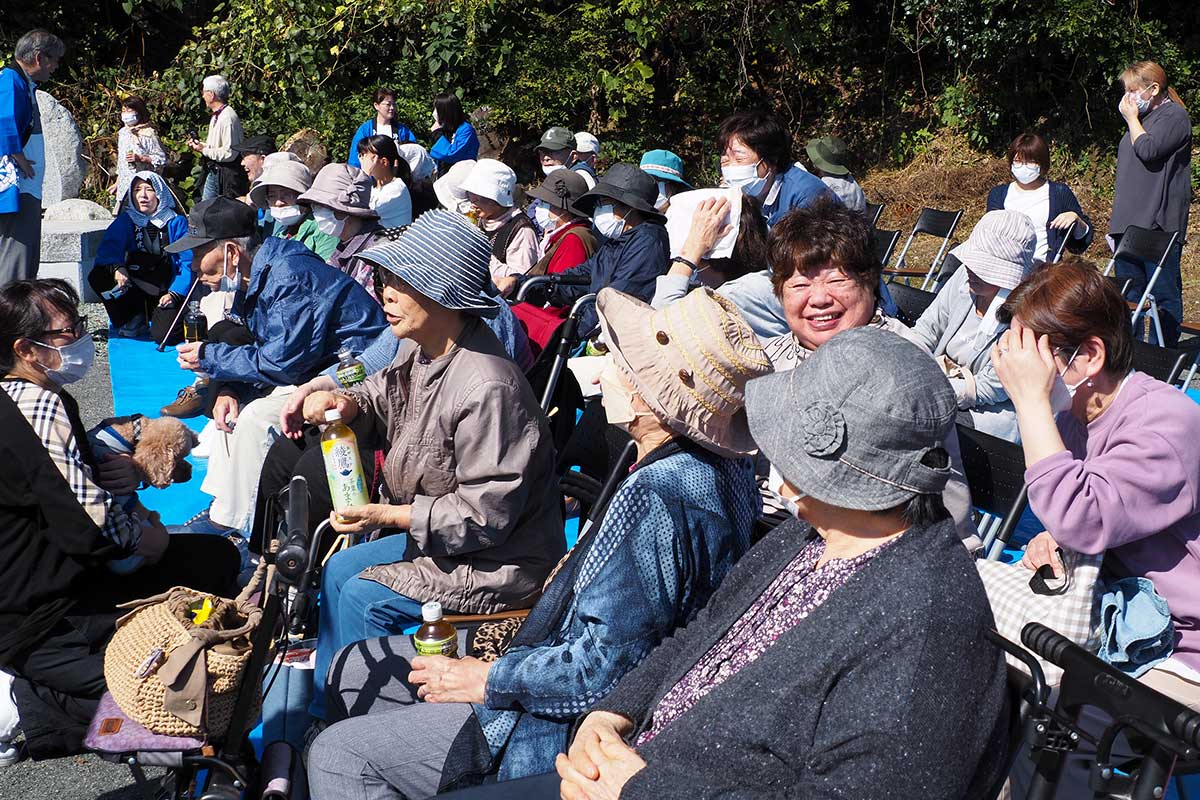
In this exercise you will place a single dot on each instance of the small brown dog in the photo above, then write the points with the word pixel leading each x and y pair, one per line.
pixel 159 447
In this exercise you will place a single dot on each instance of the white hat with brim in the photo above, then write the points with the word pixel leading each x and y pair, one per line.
pixel 448 188
pixel 492 179
pixel 1000 249
pixel 690 362
pixel 286 174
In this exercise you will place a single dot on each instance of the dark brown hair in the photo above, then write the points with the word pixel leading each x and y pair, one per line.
pixel 1070 301
pixel 383 92
pixel 750 248
pixel 450 113
pixel 823 234
pixel 138 105
pixel 26 308
pixel 1032 149
pixel 762 132
pixel 385 148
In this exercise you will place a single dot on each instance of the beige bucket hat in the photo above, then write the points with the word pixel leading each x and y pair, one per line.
pixel 288 174
pixel 690 362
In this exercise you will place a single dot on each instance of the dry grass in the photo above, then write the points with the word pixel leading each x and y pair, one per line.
pixel 950 175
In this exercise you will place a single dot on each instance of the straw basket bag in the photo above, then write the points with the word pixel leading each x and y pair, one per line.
pixel 177 678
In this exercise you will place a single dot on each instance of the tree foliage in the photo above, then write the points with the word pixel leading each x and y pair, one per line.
pixel 885 75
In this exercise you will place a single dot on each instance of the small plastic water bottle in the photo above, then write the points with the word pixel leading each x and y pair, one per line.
pixel 343 469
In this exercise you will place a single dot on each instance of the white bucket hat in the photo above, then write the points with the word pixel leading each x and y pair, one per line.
pixel 492 179
pixel 419 162
pixel 448 188
pixel 586 143
pixel 1000 249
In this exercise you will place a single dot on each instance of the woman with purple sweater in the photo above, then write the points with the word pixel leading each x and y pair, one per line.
pixel 1112 462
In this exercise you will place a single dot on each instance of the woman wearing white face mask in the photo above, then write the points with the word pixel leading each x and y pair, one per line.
pixel 1051 206
pixel 1110 461
pixel 756 157
pixel 278 190
pixel 341 206
pixel 138 147
pixel 62 522
pixel 1154 184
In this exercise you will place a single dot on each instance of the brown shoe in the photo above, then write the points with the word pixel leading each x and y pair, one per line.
pixel 188 403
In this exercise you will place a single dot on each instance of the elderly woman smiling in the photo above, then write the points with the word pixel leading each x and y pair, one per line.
pixel 841 657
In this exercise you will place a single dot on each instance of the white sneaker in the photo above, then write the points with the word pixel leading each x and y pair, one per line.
pixel 10 722
pixel 207 437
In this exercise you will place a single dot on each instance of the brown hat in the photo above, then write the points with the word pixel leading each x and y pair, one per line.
pixel 690 362
pixel 343 188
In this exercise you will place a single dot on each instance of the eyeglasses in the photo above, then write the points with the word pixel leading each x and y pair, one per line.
pixel 78 328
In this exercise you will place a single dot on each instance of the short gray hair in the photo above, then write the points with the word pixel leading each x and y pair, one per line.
pixel 218 86
pixel 39 41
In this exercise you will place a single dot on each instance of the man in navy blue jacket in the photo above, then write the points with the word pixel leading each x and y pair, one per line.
pixel 634 249
pixel 291 313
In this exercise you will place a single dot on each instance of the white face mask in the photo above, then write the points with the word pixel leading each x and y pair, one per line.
pixel 660 203
pixel 552 168
pixel 1026 173
pixel 287 215
pixel 1062 395
pixel 607 223
pixel 77 358
pixel 228 284
pixel 541 213
pixel 1142 103
pixel 327 222
pixel 129 119
pixel 744 177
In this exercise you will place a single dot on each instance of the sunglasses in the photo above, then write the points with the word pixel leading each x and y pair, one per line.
pixel 78 328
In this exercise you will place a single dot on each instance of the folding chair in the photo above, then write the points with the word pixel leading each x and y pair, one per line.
pixel 874 212
pixel 884 243
pixel 930 222
pixel 995 471
pixel 911 302
pixel 1148 247
pixel 1163 734
pixel 1164 363
pixel 1062 248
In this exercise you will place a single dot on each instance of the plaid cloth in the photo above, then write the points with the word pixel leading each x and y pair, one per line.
pixel 1073 611
pixel 48 417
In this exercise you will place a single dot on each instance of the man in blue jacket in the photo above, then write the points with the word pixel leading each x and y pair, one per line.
pixel 634 249
pixel 36 57
pixel 290 315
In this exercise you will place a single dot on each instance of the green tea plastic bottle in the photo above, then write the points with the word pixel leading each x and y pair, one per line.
pixel 350 370
pixel 343 469
pixel 435 637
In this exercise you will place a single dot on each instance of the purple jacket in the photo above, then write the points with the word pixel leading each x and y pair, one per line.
pixel 1130 485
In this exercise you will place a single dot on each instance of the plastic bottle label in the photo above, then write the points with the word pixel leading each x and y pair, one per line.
pixel 355 373
pixel 437 647
pixel 344 473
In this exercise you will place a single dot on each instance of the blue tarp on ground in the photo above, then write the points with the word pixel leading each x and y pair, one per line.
pixel 143 381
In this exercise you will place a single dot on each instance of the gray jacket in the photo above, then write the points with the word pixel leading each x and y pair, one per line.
pixel 887 690
pixel 990 408
pixel 469 448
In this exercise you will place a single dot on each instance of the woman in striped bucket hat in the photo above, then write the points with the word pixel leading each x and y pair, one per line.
pixel 469 475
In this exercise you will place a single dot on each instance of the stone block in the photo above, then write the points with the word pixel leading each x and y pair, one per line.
pixel 74 273
pixel 69 248
pixel 65 166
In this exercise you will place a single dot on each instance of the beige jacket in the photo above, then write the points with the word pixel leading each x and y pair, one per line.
pixel 470 449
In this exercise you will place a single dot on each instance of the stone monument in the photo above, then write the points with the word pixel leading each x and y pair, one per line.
pixel 71 234
pixel 65 165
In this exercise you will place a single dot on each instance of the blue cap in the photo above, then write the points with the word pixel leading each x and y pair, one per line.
pixel 664 166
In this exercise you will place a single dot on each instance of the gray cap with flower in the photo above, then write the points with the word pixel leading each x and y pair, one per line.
pixel 856 424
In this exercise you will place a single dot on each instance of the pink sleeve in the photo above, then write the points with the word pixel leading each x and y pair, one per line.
pixel 1137 487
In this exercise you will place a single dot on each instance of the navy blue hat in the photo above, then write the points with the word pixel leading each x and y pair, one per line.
pixel 445 258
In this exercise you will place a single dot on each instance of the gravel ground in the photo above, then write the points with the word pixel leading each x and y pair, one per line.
pixel 78 777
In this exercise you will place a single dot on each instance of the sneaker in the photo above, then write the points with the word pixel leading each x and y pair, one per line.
pixel 201 523
pixel 188 403
pixel 10 722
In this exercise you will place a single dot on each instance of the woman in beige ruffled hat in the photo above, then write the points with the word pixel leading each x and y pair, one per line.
pixel 673 530
pixel 340 198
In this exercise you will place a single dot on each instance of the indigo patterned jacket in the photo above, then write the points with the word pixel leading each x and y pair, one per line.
pixel 673 530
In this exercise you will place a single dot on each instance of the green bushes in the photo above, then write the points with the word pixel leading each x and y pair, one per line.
pixel 639 73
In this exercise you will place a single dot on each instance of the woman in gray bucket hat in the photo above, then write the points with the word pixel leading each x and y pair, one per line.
pixel 469 476
pixel 848 645
pixel 340 197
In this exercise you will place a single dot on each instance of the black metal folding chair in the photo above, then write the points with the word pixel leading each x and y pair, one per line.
pixel 884 243
pixel 874 212
pixel 931 222
pixel 911 302
pixel 1148 247
pixel 995 470
pixel 1164 363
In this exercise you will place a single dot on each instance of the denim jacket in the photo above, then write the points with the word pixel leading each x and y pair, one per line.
pixel 673 530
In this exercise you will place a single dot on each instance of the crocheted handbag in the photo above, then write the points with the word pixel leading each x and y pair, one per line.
pixel 177 660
